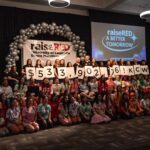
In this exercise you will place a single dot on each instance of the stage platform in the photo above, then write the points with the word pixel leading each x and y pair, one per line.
pixel 118 135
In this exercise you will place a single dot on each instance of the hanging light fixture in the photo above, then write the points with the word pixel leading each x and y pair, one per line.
pixel 59 3
pixel 145 14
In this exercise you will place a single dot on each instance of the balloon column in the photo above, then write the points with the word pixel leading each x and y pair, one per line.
pixel 33 30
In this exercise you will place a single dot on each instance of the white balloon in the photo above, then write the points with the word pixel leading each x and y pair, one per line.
pixel 32 26
pixel 20 46
pixel 22 31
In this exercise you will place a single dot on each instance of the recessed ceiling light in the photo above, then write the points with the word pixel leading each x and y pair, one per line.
pixel 59 3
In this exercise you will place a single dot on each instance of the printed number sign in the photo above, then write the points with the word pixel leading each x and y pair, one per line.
pixel 62 73
pixel 30 72
pixel 80 73
pixel 96 72
pixel 49 72
pixel 39 73
pixel 116 69
pixel 88 71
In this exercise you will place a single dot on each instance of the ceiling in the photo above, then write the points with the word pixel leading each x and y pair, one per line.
pixel 82 6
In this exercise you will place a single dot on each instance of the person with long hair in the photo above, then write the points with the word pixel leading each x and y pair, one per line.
pixel 13 77
pixel 64 117
pixel 21 88
pixel 85 109
pixel 44 114
pixel 29 117
pixel 74 110
pixel 6 92
pixel 38 64
pixel 99 111
pixel 14 120
pixel 46 88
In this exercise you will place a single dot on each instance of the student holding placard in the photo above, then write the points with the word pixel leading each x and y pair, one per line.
pixel 93 63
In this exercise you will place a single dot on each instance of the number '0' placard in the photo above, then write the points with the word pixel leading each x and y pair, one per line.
pixel 88 71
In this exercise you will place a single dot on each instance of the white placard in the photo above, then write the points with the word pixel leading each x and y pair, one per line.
pixel 130 70
pixel 80 72
pixel 137 69
pixel 62 73
pixel 40 73
pixel 96 72
pixel 111 71
pixel 116 70
pixel 70 72
pixel 30 72
pixel 104 71
pixel 124 70
pixel 88 71
pixel 49 72
pixel 144 69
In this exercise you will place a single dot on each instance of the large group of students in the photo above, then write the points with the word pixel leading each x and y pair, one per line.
pixel 31 105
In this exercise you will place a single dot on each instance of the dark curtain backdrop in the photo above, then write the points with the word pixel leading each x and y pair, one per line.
pixel 14 19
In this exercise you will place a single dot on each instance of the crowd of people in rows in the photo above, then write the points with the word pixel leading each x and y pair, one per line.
pixel 31 105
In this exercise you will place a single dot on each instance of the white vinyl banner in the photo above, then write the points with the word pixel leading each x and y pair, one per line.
pixel 45 50
pixel 145 70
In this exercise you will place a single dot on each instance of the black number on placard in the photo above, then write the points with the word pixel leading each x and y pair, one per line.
pixel 40 73
pixel 89 70
pixel 31 73
pixel 62 72
pixel 96 72
pixel 80 73
pixel 49 71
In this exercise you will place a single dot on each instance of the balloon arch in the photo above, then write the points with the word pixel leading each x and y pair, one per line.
pixel 33 30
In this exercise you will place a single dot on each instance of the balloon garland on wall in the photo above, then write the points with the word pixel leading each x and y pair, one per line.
pixel 33 30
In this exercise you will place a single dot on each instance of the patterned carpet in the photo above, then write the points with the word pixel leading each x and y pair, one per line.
pixel 118 135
